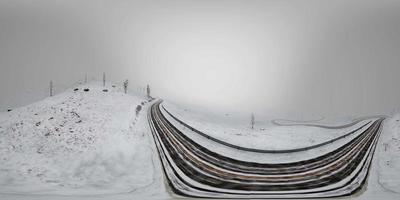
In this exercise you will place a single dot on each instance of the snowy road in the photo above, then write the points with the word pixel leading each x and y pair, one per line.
pixel 354 131
pixel 196 171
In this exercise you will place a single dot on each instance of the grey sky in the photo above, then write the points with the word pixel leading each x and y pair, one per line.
pixel 336 57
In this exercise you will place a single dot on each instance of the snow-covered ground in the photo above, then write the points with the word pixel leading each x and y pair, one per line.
pixel 384 176
pixel 235 129
pixel 78 142
pixel 93 145
pixel 389 155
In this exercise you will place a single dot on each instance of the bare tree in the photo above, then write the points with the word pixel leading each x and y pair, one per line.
pixel 126 86
pixel 252 121
pixel 148 91
pixel 51 88
pixel 104 79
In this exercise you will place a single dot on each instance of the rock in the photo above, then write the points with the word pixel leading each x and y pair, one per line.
pixel 138 109
pixel 86 90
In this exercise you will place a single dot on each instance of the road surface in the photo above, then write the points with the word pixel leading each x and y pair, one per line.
pixel 192 170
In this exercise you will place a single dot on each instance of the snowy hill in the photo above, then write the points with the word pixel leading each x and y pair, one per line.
pixel 78 142
pixel 93 142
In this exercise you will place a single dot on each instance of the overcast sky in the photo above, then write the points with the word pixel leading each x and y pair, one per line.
pixel 325 57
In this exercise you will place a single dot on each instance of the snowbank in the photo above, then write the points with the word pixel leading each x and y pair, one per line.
pixel 78 142
pixel 389 155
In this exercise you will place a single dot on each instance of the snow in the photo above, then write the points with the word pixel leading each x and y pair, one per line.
pixel 92 145
pixel 389 155
pixel 235 129
pixel 286 138
pixel 77 142
pixel 383 178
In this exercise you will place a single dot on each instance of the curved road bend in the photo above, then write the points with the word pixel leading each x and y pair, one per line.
pixel 195 171
pixel 277 151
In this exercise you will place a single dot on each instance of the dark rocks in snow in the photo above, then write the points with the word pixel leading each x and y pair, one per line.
pixel 75 114
pixel 39 151
pixel 86 89
pixel 76 89
pixel 138 109
pixel 113 86
pixel 105 90
pixel 79 121
pixel 9 110
pixel 51 118
pixel 38 123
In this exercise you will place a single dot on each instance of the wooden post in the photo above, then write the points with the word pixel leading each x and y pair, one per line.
pixel 386 146
pixel 104 79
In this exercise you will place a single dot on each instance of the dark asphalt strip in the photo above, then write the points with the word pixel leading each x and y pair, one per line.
pixel 264 179
pixel 241 166
pixel 262 150
pixel 157 131
pixel 224 183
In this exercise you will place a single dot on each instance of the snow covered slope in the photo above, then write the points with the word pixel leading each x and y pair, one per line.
pixel 92 145
pixel 389 156
pixel 78 142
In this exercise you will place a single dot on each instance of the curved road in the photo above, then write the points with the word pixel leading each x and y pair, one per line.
pixel 277 151
pixel 195 171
